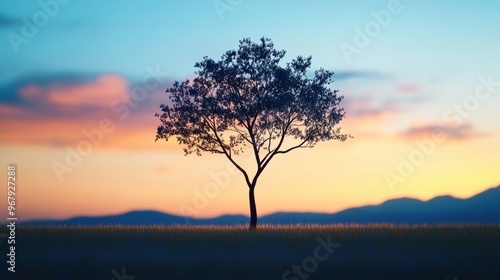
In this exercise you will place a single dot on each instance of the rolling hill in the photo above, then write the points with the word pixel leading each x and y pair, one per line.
pixel 481 208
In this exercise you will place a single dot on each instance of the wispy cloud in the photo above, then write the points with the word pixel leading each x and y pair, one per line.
pixel 344 75
pixel 462 132
pixel 368 107
pixel 8 21
pixel 408 88
pixel 383 98
pixel 101 91
pixel 370 104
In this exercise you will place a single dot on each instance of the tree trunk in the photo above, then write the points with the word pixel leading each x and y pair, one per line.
pixel 253 209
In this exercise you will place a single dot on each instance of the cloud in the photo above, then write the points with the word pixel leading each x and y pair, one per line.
pixel 366 107
pixel 408 88
pixel 55 110
pixel 344 75
pixel 382 99
pixel 6 110
pixel 373 103
pixel 101 91
pixel 11 91
pixel 461 132
pixel 8 21
pixel 161 168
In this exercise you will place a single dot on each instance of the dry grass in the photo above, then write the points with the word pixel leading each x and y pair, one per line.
pixel 234 252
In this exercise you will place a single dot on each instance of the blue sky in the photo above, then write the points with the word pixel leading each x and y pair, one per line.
pixel 90 36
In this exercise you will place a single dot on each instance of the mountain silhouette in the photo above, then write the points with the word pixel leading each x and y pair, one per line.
pixel 481 208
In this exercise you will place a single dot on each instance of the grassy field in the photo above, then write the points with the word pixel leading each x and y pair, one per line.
pixel 377 251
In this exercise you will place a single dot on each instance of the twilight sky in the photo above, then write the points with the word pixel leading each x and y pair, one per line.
pixel 81 80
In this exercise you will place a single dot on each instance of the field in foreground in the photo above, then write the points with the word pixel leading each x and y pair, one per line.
pixel 379 251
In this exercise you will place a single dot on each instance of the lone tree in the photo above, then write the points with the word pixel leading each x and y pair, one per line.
pixel 248 101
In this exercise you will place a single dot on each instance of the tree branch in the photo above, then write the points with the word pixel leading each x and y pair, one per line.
pixel 240 133
pixel 228 153
pixel 301 145
pixel 254 145
pixel 271 154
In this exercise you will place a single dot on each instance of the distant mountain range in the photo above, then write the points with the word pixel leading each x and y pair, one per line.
pixel 481 208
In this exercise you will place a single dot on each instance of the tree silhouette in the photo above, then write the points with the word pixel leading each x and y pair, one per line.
pixel 247 101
